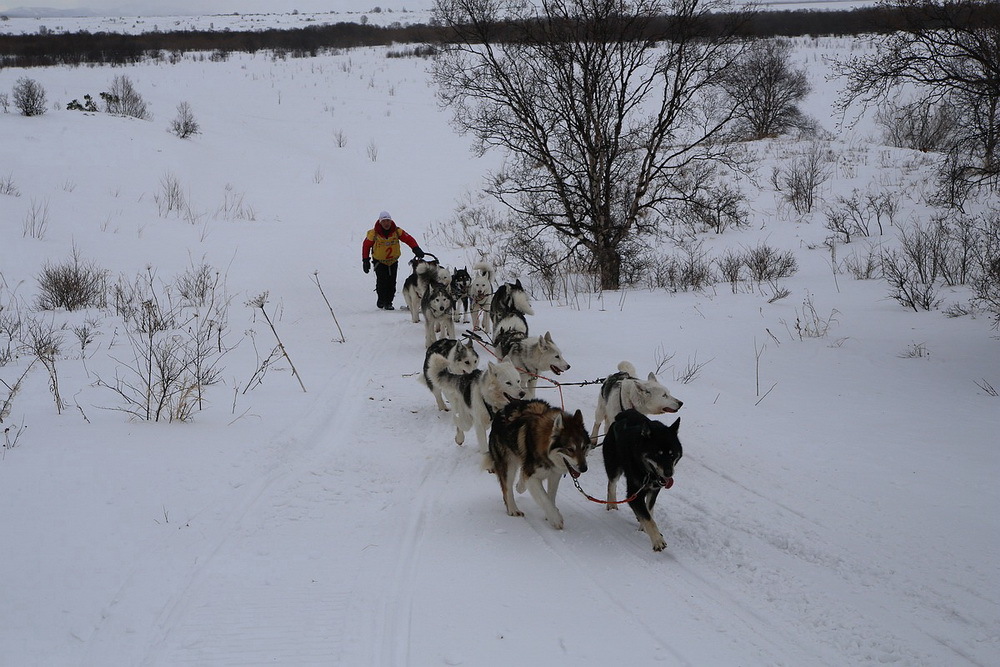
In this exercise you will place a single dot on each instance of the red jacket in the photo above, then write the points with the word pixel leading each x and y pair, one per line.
pixel 383 244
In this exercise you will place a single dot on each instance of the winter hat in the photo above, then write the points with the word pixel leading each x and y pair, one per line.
pixel 384 215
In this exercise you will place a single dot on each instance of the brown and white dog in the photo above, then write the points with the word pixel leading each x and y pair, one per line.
pixel 540 443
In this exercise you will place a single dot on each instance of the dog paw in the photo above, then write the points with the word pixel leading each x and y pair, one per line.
pixel 515 513
pixel 611 506
pixel 659 544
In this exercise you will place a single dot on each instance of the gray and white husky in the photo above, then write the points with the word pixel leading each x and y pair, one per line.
pixel 425 272
pixel 531 356
pixel 438 306
pixel 480 293
pixel 508 307
pixel 623 390
pixel 461 357
pixel 475 397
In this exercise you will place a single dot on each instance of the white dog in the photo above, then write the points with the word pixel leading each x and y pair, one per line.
pixel 531 356
pixel 480 293
pixel 623 390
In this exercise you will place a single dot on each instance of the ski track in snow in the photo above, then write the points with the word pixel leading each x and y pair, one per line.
pixel 195 627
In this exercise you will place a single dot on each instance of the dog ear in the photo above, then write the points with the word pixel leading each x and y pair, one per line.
pixel 557 424
pixel 652 377
pixel 548 336
pixel 676 425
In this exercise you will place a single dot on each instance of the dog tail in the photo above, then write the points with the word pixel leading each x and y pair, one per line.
pixel 484 268
pixel 627 367
pixel 436 366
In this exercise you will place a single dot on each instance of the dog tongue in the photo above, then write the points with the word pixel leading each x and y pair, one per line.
pixel 668 482
pixel 574 473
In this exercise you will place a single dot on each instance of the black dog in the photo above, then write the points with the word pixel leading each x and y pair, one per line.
pixel 645 451
pixel 461 280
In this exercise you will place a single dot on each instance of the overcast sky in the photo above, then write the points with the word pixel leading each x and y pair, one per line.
pixel 167 7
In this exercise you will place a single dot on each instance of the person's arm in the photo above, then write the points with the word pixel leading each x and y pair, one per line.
pixel 412 242
pixel 366 248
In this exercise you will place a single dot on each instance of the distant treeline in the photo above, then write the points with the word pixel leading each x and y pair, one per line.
pixel 50 48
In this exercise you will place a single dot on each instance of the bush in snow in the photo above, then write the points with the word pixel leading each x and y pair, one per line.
pixel 73 284
pixel 122 99
pixel 184 125
pixel 29 97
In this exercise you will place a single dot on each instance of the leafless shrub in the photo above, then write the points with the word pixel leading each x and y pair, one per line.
pixel 690 371
pixel 171 196
pixel 477 228
pixel 717 208
pixel 800 181
pixel 730 266
pixel 44 342
pixel 198 284
pixel 987 276
pixel 959 309
pixel 862 214
pixel 29 97
pixel 184 124
pixel 911 279
pixel 122 99
pixel 4 103
pixel 12 389
pixel 766 264
pixel 73 284
pixel 36 220
pixel 85 334
pixel 688 270
pixel 372 150
pixel 809 323
pixel 234 207
pixel 915 351
pixel 864 265
pixel 924 124
pixel 340 139
pixel 177 347
pixel 7 186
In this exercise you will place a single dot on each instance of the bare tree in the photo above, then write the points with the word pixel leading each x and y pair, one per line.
pixel 948 53
pixel 184 124
pixel 29 97
pixel 766 90
pixel 600 106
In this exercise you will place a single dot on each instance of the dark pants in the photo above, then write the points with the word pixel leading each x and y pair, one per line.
pixel 385 282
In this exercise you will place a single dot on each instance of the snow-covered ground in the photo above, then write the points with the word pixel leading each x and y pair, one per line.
pixel 833 505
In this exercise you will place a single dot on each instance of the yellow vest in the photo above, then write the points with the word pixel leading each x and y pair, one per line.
pixel 385 249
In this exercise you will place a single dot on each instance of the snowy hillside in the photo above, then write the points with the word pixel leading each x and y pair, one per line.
pixel 840 462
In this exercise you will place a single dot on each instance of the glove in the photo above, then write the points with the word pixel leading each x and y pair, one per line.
pixel 366 264
pixel 417 252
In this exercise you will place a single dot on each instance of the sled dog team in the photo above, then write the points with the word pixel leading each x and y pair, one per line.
pixel 528 443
